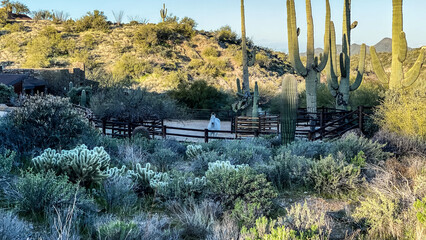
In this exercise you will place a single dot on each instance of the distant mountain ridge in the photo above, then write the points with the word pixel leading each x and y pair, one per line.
pixel 384 45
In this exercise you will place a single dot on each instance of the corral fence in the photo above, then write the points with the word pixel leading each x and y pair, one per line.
pixel 328 123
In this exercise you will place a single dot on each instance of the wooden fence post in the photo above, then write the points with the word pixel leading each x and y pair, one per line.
pixel 206 135
pixel 164 131
pixel 322 122
pixel 104 126
pixel 361 118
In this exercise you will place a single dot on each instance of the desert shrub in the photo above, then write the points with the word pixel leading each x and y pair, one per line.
pixel 133 105
pixel 227 228
pixel 210 52
pixel 37 194
pixel 130 67
pixel 215 67
pixel 6 161
pixel 164 158
pixel 140 227
pixel 288 171
pixel 11 227
pixel 182 187
pixel 14 27
pixel 196 220
pixel 369 94
pixel 401 113
pixel 44 122
pixel 117 191
pixel 387 206
pixel 333 176
pixel 228 184
pixel 173 145
pixel 7 93
pixel 41 15
pixel 248 151
pixel 263 60
pixel 420 208
pixel 200 95
pixel 308 149
pixel 400 145
pixel 300 223
pixel 351 144
pixel 81 165
pixel 225 34
pixel 246 213
pixel 95 20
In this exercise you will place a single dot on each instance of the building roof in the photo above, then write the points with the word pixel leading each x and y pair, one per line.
pixel 12 79
pixel 29 82
pixel 19 16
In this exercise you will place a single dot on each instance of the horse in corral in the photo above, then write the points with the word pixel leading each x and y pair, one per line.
pixel 214 124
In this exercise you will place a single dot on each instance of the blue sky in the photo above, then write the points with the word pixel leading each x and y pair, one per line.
pixel 265 19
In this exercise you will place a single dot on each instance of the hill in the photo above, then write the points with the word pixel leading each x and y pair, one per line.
pixel 156 56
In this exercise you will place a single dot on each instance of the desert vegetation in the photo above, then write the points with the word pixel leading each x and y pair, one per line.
pixel 62 178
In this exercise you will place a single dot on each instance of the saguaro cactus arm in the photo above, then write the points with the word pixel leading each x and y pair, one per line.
pixel 378 67
pixel 361 68
pixel 292 39
pixel 332 78
pixel 402 55
pixel 325 55
pixel 413 74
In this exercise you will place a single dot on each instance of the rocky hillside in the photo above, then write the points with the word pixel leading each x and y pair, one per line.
pixel 156 56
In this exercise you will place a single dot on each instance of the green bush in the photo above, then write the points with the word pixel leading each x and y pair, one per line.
pixel 351 145
pixel 81 165
pixel 288 171
pixel 225 34
pixel 308 149
pixel 210 52
pixel 130 67
pixel 163 158
pixel 369 94
pixel 246 213
pixel 6 161
pixel 7 93
pixel 334 177
pixel 182 186
pixel 75 94
pixel 200 95
pixel 229 183
pixel 133 105
pixel 14 27
pixel 95 20
pixel 402 113
pixel 118 230
pixel 324 97
pixel 37 194
pixel 44 122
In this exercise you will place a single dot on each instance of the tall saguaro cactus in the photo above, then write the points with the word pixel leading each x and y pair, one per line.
pixel 288 109
pixel 246 83
pixel 397 77
pixel 163 12
pixel 313 64
pixel 340 86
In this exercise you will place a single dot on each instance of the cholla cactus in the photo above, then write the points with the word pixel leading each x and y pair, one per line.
pixel 192 151
pixel 224 166
pixel 117 172
pixel 147 180
pixel 197 185
pixel 88 167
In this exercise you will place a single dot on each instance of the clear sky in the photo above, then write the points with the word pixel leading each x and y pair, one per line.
pixel 265 19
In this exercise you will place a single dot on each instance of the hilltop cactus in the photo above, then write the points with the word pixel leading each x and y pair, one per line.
pixel 163 12
pixel 313 64
pixel 397 79
pixel 288 109
pixel 255 101
pixel 340 86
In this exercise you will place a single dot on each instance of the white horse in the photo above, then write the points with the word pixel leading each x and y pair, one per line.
pixel 214 124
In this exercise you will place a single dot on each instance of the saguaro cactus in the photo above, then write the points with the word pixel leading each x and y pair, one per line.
pixel 340 85
pixel 255 101
pixel 163 12
pixel 288 109
pixel 246 83
pixel 397 77
pixel 313 64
